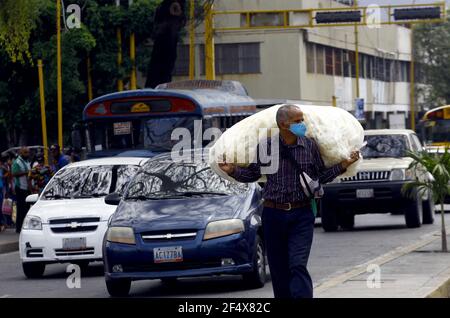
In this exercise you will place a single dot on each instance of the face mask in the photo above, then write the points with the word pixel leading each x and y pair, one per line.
pixel 298 129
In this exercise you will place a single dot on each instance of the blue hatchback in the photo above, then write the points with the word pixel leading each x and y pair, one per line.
pixel 178 218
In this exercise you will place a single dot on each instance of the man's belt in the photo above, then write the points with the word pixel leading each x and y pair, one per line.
pixel 286 206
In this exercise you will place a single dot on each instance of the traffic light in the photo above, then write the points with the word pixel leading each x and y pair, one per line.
pixel 417 13
pixel 338 17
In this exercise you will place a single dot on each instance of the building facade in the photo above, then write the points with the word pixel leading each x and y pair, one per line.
pixel 313 65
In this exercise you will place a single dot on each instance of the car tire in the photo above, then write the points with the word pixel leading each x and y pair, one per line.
pixel 329 218
pixel 33 269
pixel 169 281
pixel 346 220
pixel 118 287
pixel 428 211
pixel 83 265
pixel 413 212
pixel 257 277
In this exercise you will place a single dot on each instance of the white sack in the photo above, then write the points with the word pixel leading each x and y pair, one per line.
pixel 336 132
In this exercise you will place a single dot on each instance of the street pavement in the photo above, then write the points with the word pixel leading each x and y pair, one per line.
pixel 333 256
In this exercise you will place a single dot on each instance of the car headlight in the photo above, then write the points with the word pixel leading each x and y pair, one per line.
pixel 397 174
pixel 223 228
pixel 32 222
pixel 120 234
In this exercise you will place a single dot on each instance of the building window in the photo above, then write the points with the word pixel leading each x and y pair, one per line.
pixel 320 59
pixel 329 60
pixel 388 70
pixel 338 62
pixel 235 58
pixel 310 58
pixel 346 2
pixel 182 63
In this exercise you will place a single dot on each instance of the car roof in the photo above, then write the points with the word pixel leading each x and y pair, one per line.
pixel 137 161
pixel 371 132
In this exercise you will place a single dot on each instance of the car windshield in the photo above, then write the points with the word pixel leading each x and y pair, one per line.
pixel 89 181
pixel 385 146
pixel 164 179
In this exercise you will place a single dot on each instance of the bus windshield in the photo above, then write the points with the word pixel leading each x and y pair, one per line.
pixel 149 133
pixel 437 131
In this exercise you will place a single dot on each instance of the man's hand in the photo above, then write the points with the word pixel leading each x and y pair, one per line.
pixel 354 156
pixel 228 168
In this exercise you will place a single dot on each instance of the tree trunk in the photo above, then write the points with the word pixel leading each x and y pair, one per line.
pixel 444 232
pixel 170 19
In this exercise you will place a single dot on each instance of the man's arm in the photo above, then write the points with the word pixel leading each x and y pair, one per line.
pixel 250 174
pixel 325 174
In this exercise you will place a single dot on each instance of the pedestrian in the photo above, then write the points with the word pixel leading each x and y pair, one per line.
pixel 288 218
pixel 3 181
pixel 59 160
pixel 72 154
pixel 20 170
pixel 39 174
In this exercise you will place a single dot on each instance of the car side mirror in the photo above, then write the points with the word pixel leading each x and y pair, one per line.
pixel 113 198
pixel 32 198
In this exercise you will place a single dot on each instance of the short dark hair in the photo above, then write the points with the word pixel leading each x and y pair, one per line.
pixel 283 113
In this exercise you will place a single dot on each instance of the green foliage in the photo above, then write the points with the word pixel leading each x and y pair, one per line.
pixel 432 51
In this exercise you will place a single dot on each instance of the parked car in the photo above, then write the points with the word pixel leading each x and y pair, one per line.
pixel 377 186
pixel 68 221
pixel 180 219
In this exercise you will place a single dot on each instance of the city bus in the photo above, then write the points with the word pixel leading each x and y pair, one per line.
pixel 435 127
pixel 141 121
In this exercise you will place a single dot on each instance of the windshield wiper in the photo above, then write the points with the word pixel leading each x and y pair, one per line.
pixel 56 196
pixel 201 193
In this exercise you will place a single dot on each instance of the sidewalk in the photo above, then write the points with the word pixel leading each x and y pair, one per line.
pixel 418 270
pixel 9 241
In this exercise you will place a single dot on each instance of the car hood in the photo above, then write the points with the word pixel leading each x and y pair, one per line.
pixel 384 164
pixel 190 213
pixel 50 209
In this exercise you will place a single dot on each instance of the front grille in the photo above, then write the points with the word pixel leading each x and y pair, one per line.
pixel 165 236
pixel 35 252
pixel 62 252
pixel 73 225
pixel 366 176
pixel 185 265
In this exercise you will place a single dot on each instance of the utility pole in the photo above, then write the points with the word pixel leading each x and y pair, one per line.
pixel 412 83
pixel 209 43
pixel 132 56
pixel 356 52
pixel 58 73
pixel 43 119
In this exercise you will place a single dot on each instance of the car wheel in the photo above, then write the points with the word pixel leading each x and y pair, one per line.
pixel 329 218
pixel 83 265
pixel 346 220
pixel 169 281
pixel 33 269
pixel 413 212
pixel 428 211
pixel 118 287
pixel 257 277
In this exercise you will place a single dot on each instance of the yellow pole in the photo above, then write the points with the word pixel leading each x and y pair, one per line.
pixel 192 40
pixel 43 120
pixel 132 57
pixel 119 58
pixel 357 54
pixel 412 83
pixel 334 101
pixel 89 78
pixel 209 43
pixel 59 76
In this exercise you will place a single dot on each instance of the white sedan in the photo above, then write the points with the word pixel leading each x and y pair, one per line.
pixel 68 221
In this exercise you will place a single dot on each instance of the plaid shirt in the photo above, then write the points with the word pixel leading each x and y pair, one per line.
pixel 284 185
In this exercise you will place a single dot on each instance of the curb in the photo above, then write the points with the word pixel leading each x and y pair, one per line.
pixel 9 247
pixel 442 291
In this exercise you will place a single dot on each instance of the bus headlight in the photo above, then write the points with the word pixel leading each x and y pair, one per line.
pixel 223 228
pixel 117 234
pixel 32 222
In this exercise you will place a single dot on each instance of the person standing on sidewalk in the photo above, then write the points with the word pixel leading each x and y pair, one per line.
pixel 59 160
pixel 20 171
pixel 288 219
pixel 3 176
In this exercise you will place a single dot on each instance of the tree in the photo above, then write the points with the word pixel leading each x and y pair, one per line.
pixel 438 166
pixel 432 52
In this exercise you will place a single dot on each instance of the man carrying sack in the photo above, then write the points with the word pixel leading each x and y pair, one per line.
pixel 288 219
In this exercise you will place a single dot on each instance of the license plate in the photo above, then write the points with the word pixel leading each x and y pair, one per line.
pixel 168 254
pixel 364 193
pixel 74 243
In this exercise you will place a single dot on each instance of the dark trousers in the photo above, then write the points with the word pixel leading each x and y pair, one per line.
pixel 22 207
pixel 288 238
